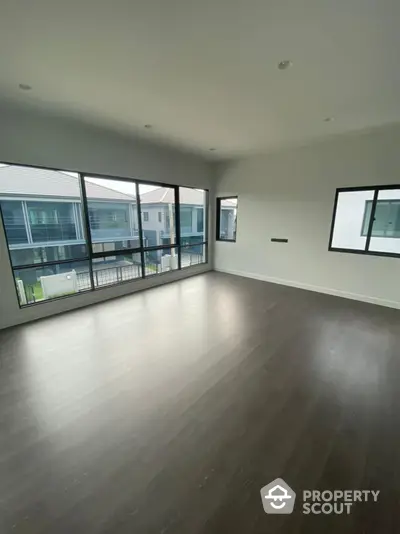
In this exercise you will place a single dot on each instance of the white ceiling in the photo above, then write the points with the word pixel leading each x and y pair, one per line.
pixel 204 73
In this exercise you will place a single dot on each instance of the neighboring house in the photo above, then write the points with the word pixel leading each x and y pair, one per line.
pixel 43 220
pixel 158 209
pixel 43 217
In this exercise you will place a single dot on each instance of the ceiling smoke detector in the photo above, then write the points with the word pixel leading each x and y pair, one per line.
pixel 148 126
pixel 212 149
pixel 25 87
pixel 285 64
pixel 329 119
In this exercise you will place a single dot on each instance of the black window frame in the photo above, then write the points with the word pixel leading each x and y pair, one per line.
pixel 218 218
pixel 366 251
pixel 145 216
pixel 90 256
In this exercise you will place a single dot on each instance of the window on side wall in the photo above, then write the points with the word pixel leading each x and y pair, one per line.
pixel 366 220
pixel 227 218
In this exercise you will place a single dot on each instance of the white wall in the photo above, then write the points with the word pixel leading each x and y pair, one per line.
pixel 31 137
pixel 291 194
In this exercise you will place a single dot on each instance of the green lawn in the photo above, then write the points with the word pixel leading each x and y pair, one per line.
pixel 37 290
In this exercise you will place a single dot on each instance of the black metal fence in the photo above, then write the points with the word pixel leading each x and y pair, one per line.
pixel 116 274
pixel 110 275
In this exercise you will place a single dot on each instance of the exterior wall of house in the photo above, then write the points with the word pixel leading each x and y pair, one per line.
pixel 153 229
pixel 158 232
pixel 32 137
pixel 47 229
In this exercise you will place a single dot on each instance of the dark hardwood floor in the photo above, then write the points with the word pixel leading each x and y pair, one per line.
pixel 167 411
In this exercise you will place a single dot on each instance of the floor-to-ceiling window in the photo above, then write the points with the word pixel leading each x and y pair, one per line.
pixel 69 232
pixel 113 230
pixel 41 212
pixel 161 251
pixel 193 231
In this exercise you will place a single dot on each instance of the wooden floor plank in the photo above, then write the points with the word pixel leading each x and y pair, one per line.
pixel 166 411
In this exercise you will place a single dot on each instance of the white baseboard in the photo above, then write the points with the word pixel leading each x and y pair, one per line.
pixel 318 289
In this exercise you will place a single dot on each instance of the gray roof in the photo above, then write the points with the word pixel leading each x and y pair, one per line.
pixel 165 195
pixel 30 181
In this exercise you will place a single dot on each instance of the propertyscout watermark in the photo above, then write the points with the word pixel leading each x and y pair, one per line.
pixel 278 498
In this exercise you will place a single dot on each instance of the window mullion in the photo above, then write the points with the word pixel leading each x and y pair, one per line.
pixel 86 227
pixel 371 220
pixel 178 225
pixel 140 229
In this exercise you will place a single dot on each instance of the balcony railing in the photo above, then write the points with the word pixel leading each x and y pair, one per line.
pixel 111 275
pixel 99 234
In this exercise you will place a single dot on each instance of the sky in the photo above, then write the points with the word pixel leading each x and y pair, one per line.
pixel 121 186
pixel 117 185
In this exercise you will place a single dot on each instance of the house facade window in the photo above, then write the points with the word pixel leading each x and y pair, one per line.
pixel 51 221
pixel 186 219
pixel 193 231
pixel 366 220
pixel 226 218
pixel 68 233
pixel 387 218
pixel 200 220
pixel 14 221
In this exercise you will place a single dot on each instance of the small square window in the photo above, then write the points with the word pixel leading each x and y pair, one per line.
pixel 226 218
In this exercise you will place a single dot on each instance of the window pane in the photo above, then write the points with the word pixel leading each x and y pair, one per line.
pixel 45 223
pixel 52 221
pixel 186 219
pixel 155 200
pixel 352 218
pixel 386 227
pixel 227 219
pixel 112 214
pixel 51 281
pixel 14 222
pixel 367 217
pixel 200 220
pixel 115 269
pixel 38 254
pixel 192 215
pixel 193 255
pixel 161 260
